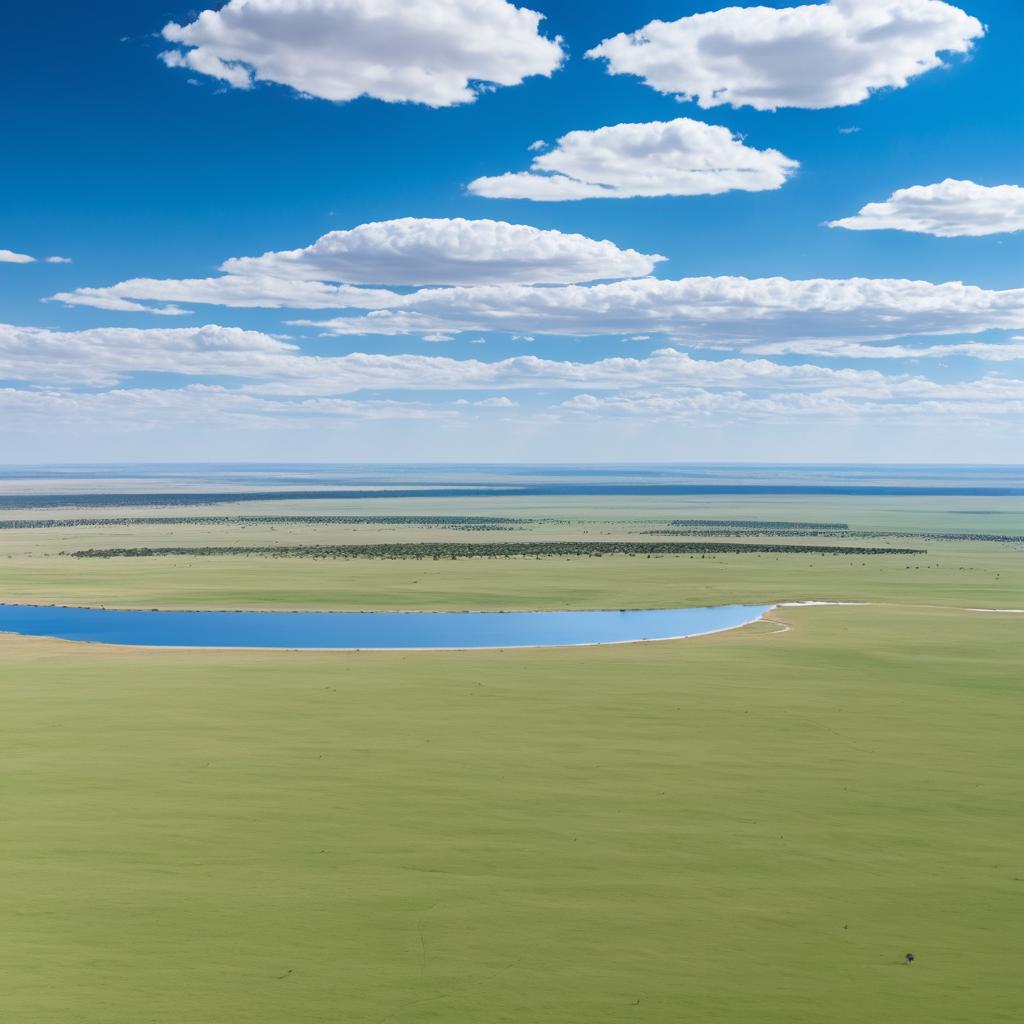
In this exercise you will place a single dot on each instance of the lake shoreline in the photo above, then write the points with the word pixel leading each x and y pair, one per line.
pixel 500 630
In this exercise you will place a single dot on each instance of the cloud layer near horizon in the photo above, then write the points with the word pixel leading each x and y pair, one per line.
pixel 703 310
pixel 91 382
pixel 495 276
pixel 106 356
pixel 267 366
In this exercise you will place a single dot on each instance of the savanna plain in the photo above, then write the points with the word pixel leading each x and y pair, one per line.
pixel 757 825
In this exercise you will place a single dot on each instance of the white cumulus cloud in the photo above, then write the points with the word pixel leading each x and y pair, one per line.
pixel 813 56
pixel 423 251
pixel 499 402
pixel 948 209
pixel 408 251
pixel 662 158
pixel 435 52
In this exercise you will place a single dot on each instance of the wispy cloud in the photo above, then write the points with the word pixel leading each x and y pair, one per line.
pixel 159 409
pixel 83 380
pixel 721 311
pixel 7 256
pixel 265 365
pixel 993 352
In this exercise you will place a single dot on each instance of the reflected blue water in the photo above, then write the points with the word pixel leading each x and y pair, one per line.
pixel 147 485
pixel 369 630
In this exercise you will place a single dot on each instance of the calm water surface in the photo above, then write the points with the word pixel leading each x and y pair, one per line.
pixel 369 630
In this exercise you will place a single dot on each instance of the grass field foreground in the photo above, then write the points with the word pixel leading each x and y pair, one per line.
pixel 751 826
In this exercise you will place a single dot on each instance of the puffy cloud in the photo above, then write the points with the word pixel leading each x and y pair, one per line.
pixel 435 52
pixel 6 256
pixel 409 251
pixel 662 158
pixel 948 209
pixel 704 310
pixel 58 259
pixel 499 402
pixel 813 56
pixel 422 251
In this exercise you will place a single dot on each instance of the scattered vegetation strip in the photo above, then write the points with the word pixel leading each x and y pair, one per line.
pixel 453 522
pixel 499 550
pixel 758 524
pixel 839 534
pixel 693 527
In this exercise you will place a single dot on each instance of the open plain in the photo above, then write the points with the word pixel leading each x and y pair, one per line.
pixel 758 825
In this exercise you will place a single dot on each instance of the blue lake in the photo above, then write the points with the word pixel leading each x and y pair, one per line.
pixel 369 630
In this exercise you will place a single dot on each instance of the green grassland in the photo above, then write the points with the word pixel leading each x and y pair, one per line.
pixel 754 826
pixel 957 576
pixel 954 573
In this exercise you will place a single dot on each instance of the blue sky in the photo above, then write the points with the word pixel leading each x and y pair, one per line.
pixel 133 169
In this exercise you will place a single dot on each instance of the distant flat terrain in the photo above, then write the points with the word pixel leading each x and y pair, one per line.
pixel 753 826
